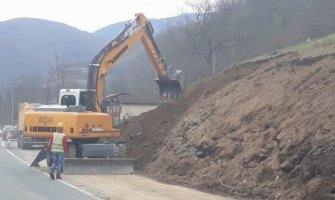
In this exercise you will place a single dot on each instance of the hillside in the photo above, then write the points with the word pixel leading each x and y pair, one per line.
pixel 260 130
pixel 27 44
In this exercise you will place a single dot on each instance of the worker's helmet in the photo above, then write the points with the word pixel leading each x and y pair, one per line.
pixel 60 125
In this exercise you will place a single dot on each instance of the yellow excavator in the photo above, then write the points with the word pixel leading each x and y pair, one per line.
pixel 140 29
pixel 89 128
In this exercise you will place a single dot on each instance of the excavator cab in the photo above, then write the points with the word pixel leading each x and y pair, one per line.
pixel 112 105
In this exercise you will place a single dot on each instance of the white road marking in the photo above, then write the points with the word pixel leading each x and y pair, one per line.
pixel 65 183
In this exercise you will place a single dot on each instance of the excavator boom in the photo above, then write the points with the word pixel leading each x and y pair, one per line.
pixel 170 81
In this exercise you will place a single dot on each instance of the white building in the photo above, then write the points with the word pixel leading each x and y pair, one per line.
pixel 134 105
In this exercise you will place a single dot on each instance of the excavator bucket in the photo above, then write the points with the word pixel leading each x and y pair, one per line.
pixel 94 166
pixel 171 88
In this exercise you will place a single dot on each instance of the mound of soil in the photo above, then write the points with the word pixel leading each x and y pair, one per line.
pixel 261 130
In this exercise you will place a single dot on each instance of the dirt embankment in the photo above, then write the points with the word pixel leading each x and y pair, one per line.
pixel 261 130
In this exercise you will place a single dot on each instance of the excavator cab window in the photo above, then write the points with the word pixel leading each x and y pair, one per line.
pixel 68 100
pixel 83 99
pixel 113 107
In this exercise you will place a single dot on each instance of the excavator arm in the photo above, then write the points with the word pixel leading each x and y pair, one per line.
pixel 140 29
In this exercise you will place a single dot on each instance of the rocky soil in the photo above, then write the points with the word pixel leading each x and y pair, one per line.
pixel 261 130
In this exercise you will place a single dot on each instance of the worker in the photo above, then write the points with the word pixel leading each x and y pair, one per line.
pixel 58 148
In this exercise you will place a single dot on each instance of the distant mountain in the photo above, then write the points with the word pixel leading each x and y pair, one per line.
pixel 27 44
pixel 112 30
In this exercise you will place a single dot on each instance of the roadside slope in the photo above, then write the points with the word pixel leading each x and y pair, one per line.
pixel 261 129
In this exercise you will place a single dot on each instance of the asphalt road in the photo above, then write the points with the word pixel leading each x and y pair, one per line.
pixel 37 185
pixel 20 182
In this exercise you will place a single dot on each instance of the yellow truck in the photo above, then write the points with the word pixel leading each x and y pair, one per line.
pixel 26 142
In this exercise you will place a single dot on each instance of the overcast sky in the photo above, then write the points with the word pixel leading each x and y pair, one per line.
pixel 89 15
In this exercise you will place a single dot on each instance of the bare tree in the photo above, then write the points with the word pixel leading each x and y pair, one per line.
pixel 57 73
pixel 203 27
pixel 47 88
pixel 57 78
